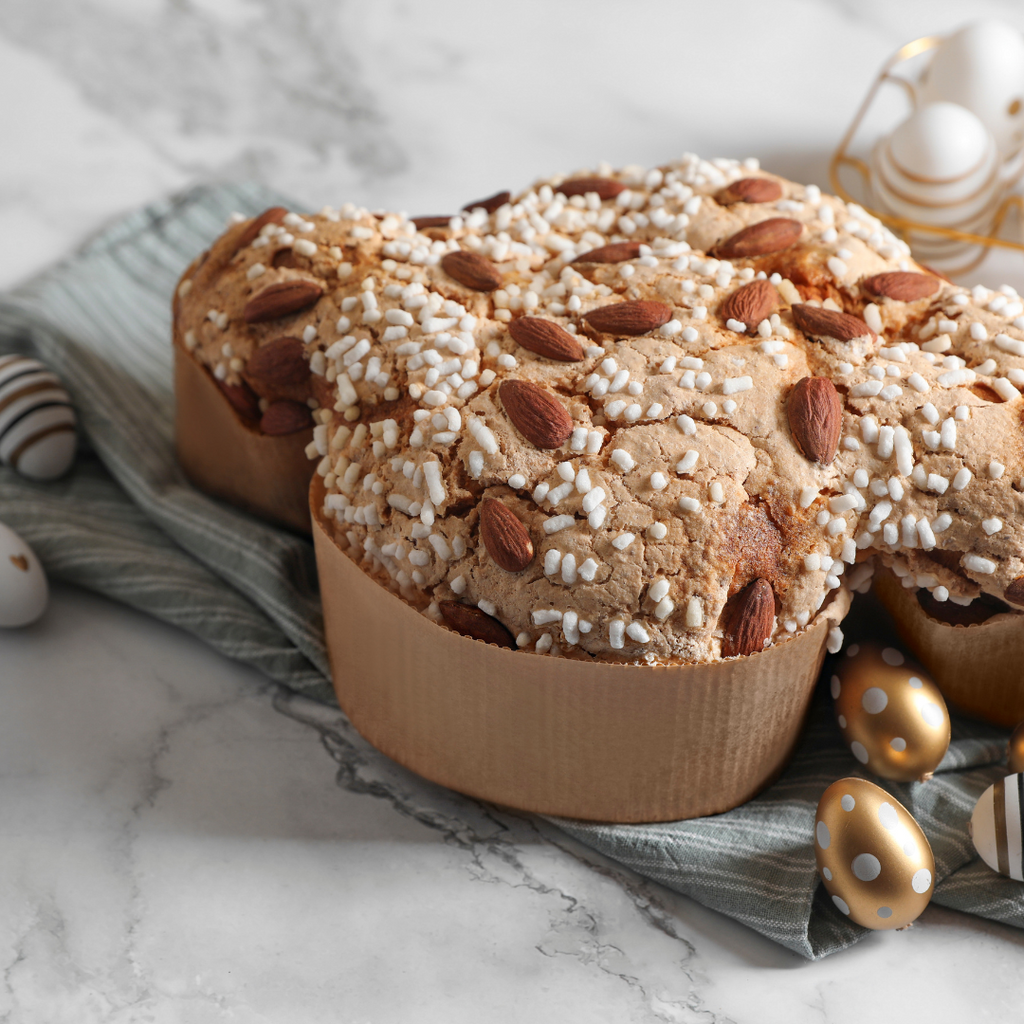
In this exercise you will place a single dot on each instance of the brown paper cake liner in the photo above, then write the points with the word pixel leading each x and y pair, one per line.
pixel 224 456
pixel 589 740
pixel 979 668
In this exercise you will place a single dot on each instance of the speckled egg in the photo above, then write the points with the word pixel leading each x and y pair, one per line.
pixel 996 826
pixel 874 859
pixel 23 589
pixel 37 421
pixel 891 713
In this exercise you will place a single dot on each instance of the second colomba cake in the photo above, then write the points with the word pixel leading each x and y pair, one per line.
pixel 654 416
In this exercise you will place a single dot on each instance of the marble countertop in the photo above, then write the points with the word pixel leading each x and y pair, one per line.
pixel 182 841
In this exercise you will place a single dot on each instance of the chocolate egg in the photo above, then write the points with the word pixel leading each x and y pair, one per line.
pixel 23 589
pixel 872 856
pixel 37 421
pixel 996 826
pixel 891 713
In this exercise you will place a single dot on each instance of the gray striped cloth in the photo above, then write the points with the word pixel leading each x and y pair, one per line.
pixel 125 523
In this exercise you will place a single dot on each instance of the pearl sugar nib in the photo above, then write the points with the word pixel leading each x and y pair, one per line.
pixel 23 589
pixel 37 421
pixel 875 862
pixel 891 713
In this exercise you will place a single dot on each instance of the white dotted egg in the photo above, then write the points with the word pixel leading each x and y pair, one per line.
pixel 37 420
pixel 23 589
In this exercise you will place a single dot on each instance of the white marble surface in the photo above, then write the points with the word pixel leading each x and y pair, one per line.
pixel 179 841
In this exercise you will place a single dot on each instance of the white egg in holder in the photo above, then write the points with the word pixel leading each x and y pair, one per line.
pixel 940 166
pixel 981 67
pixel 37 421
pixel 23 588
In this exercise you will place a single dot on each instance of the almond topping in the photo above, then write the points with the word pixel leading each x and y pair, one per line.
pixel 490 204
pixel 606 188
pixel 772 235
pixel 506 539
pixel 422 223
pixel 829 323
pixel 280 363
pixel 536 413
pixel 632 317
pixel 274 215
pixel 19 562
pixel 285 417
pixel 242 398
pixel 1014 593
pixel 281 299
pixel 617 252
pixel 749 619
pixel 286 258
pixel 751 303
pixel 475 624
pixel 471 270
pixel 815 412
pixel 750 190
pixel 545 338
pixel 901 285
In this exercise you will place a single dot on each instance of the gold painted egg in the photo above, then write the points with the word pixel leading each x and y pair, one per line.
pixel 996 826
pixel 891 713
pixel 1015 751
pixel 874 859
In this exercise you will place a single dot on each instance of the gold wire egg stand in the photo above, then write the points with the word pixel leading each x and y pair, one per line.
pixel 1004 203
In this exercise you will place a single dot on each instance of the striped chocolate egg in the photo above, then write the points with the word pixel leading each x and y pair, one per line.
pixel 37 420
pixel 996 827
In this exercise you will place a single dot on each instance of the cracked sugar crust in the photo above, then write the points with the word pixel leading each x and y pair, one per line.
pixel 680 482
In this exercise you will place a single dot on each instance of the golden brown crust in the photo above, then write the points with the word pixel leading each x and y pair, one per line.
pixel 679 479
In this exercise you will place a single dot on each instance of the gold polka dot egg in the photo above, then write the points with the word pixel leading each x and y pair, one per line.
pixel 891 713
pixel 875 862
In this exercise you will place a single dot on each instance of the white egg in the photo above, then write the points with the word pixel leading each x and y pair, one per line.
pixel 939 144
pixel 939 167
pixel 23 589
pixel 37 421
pixel 981 67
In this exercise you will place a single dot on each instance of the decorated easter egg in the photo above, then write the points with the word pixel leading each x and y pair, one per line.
pixel 23 589
pixel 996 826
pixel 1015 750
pixel 37 421
pixel 981 67
pixel 874 859
pixel 891 713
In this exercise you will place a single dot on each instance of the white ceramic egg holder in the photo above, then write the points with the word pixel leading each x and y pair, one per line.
pixel 949 221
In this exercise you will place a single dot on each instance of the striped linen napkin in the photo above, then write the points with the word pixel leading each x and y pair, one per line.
pixel 126 523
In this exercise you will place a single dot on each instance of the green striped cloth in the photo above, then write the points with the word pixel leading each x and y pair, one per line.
pixel 125 523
